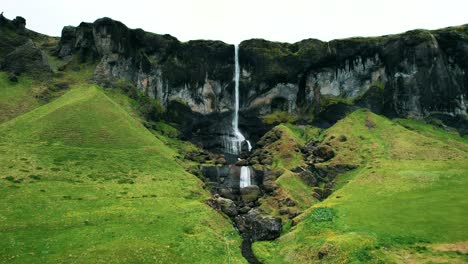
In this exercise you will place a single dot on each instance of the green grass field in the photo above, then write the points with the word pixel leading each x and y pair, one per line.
pixel 406 203
pixel 82 181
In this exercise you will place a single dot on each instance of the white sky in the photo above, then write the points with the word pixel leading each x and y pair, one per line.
pixel 235 20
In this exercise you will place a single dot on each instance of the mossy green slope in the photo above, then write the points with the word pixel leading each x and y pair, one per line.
pixel 15 97
pixel 406 197
pixel 84 182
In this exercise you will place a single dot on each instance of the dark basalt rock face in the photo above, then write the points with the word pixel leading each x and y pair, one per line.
pixel 412 74
pixel 26 58
pixel 417 73
pixel 18 53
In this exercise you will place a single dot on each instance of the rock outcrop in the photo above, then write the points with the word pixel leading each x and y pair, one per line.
pixel 257 226
pixel 18 52
pixel 417 73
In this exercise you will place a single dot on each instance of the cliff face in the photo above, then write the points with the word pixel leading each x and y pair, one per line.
pixel 197 73
pixel 417 73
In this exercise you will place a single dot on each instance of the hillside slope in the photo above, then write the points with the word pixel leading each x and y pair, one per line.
pixel 83 182
pixel 404 203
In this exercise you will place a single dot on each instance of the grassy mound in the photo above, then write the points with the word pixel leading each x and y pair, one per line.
pixel 405 198
pixel 82 181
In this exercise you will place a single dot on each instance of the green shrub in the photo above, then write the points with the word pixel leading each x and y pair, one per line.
pixel 322 214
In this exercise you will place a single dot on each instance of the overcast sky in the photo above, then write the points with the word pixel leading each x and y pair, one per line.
pixel 235 20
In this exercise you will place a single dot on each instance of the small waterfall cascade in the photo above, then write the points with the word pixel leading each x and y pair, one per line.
pixel 234 143
pixel 245 177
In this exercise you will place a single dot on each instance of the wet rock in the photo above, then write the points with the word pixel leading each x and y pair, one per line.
pixel 227 206
pixel 258 227
pixel 244 210
pixel 227 193
pixel 250 193
pixel 317 195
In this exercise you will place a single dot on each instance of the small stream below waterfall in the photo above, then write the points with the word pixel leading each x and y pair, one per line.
pixel 233 178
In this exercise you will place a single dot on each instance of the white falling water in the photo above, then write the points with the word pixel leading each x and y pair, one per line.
pixel 245 177
pixel 234 146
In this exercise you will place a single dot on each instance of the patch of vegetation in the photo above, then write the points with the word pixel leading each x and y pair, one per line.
pixel 322 214
pixel 278 117
pixel 67 216
pixel 407 193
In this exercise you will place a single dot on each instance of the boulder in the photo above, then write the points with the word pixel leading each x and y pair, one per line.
pixel 287 202
pixel 224 205
pixel 250 193
pixel 324 152
pixel 258 227
pixel 308 178
pixel 27 58
pixel 227 193
pixel 227 206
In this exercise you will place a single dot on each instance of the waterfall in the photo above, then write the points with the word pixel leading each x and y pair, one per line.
pixel 234 144
pixel 245 177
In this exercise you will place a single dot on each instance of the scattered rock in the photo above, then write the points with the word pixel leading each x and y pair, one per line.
pixel 270 186
pixel 293 213
pixel 317 195
pixel 297 169
pixel 287 202
pixel 308 178
pixel 326 192
pixel 267 161
pixel 324 152
pixel 342 138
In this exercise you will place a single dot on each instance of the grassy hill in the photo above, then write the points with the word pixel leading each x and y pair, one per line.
pixel 82 181
pixel 406 202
